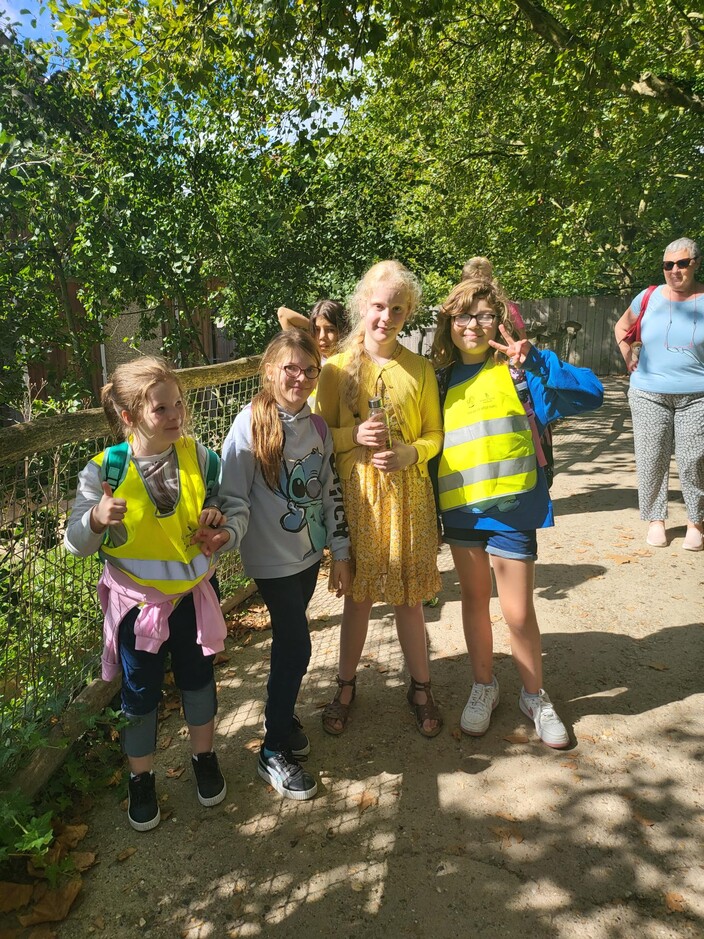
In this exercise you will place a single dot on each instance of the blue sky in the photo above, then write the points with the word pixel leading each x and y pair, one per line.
pixel 11 9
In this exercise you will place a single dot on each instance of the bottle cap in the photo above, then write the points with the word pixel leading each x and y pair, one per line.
pixel 375 404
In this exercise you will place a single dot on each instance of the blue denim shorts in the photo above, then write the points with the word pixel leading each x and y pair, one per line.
pixel 518 545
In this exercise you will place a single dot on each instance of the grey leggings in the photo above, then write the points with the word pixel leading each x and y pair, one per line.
pixel 658 421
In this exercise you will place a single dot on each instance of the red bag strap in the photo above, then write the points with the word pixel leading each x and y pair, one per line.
pixel 643 307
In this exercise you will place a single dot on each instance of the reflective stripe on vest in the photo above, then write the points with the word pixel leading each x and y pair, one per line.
pixel 157 552
pixel 488 454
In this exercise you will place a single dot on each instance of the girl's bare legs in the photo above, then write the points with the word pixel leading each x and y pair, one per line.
pixel 410 626
pixel 141 764
pixel 202 737
pixel 515 581
pixel 474 574
pixel 353 635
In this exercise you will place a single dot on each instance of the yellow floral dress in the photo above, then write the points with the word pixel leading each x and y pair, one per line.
pixel 393 528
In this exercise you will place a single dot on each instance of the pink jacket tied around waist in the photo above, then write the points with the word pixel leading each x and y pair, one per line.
pixel 118 594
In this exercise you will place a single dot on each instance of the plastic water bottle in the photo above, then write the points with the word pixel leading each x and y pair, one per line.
pixel 377 412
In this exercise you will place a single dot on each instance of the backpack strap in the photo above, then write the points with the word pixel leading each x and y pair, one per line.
pixel 320 426
pixel 523 391
pixel 113 469
pixel 643 307
pixel 212 471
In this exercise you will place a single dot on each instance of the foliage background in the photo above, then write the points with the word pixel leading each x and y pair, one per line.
pixel 235 155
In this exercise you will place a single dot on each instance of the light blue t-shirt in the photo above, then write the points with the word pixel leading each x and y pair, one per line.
pixel 672 358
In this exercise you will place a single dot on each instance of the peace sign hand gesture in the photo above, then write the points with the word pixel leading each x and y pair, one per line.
pixel 516 350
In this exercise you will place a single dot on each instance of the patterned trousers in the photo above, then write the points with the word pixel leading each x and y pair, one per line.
pixel 659 421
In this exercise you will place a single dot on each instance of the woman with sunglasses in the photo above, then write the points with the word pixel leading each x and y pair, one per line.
pixel 498 394
pixel 666 392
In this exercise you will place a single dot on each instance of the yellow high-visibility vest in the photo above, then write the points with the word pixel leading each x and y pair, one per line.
pixel 488 455
pixel 157 552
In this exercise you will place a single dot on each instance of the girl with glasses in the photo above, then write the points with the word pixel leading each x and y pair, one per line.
pixel 498 393
pixel 282 499
pixel 384 475
pixel 666 391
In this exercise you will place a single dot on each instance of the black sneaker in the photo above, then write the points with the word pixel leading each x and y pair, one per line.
pixel 298 742
pixel 142 808
pixel 210 783
pixel 285 774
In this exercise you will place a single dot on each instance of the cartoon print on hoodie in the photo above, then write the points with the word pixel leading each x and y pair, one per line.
pixel 302 489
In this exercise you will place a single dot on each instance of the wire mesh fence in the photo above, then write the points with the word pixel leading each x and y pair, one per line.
pixel 50 621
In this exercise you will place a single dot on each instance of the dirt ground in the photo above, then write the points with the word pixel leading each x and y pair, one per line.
pixel 496 836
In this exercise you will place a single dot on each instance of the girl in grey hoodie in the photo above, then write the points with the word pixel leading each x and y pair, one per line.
pixel 282 498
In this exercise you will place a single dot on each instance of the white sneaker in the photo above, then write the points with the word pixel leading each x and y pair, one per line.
pixel 476 716
pixel 548 725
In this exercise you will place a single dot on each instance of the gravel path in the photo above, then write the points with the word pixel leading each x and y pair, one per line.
pixel 498 836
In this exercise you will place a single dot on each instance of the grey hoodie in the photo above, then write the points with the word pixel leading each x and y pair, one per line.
pixel 283 532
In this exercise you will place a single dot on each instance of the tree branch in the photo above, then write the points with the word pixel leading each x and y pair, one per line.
pixel 545 25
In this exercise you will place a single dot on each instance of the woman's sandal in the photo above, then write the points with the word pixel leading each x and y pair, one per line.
pixel 336 711
pixel 424 712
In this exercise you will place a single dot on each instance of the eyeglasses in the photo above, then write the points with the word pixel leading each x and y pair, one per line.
pixel 680 265
pixel 295 371
pixel 484 319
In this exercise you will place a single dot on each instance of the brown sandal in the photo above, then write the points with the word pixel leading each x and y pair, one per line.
pixel 336 710
pixel 424 712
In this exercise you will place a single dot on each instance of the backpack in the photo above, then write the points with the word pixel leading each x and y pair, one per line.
pixel 113 469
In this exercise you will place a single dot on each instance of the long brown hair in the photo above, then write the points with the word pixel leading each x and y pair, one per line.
pixel 128 388
pixel 267 429
pixel 394 274
pixel 460 300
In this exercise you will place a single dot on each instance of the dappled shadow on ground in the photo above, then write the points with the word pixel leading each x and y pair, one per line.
pixel 409 837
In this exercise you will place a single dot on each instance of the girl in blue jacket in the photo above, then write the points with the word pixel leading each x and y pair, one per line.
pixel 498 395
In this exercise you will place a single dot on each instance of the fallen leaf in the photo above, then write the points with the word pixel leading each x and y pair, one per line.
pixel 643 553
pixel 366 800
pixel 674 902
pixel 456 734
pixel 658 666
pixel 172 704
pixel 642 820
pixel 124 805
pixel 587 737
pixel 507 817
pixel 54 905
pixel 254 745
pixel 620 558
pixel 70 835
pixel 165 743
pixel 36 867
pixel 516 738
pixel 127 852
pixel 98 922
pixel 569 764
pixel 13 896
pixel 457 849
pixel 382 669
pixel 506 836
pixel 175 772
pixel 115 779
pixel 221 658
pixel 169 678
pixel 82 860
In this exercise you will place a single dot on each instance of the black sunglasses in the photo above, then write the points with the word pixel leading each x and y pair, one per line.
pixel 680 265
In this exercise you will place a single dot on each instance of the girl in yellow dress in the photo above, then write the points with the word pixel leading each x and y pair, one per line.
pixel 383 469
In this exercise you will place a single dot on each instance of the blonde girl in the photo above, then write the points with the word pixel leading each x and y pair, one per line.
pixel 384 475
pixel 498 394
pixel 144 508
pixel 283 504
